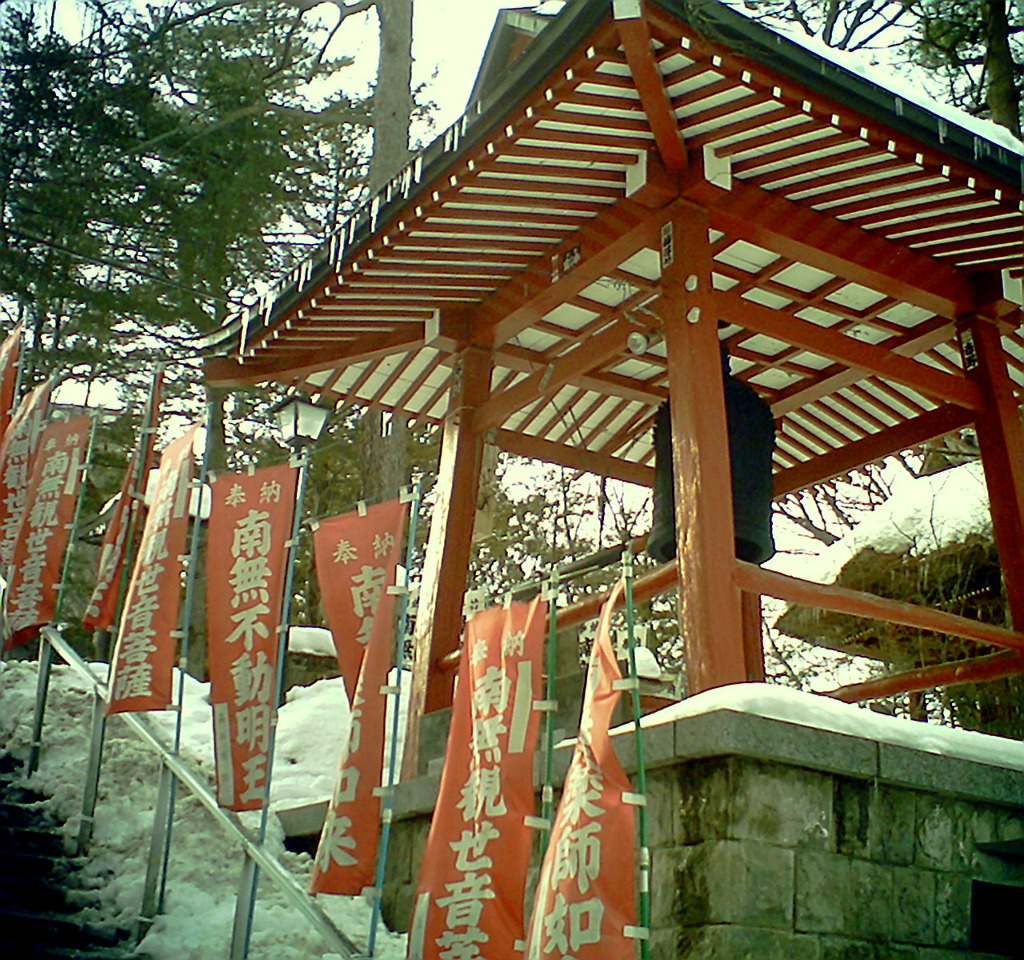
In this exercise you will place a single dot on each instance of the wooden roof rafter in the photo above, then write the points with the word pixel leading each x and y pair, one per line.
pixel 863 233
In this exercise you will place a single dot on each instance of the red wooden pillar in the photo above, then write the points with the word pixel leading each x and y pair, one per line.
pixel 439 619
pixel 710 610
pixel 753 636
pixel 1001 440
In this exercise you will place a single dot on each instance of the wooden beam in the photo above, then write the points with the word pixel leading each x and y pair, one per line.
pixel 231 372
pixel 584 257
pixel 710 615
pixel 753 579
pixel 1001 442
pixel 869 357
pixel 908 434
pixel 926 336
pixel 635 35
pixel 995 666
pixel 576 458
pixel 439 619
pixel 760 217
pixel 546 382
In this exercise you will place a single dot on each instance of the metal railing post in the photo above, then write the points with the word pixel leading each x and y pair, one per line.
pixel 644 852
pixel 242 929
pixel 198 786
pixel 152 892
pixel 92 772
pixel 387 810
pixel 45 653
pixel 154 895
pixel 42 687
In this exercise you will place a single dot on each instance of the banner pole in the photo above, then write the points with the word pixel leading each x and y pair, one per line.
pixel 99 719
pixel 242 930
pixel 644 884
pixel 46 659
pixel 143 457
pixel 155 885
pixel 550 696
pixel 398 658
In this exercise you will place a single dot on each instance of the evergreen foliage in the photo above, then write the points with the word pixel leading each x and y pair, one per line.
pixel 154 163
pixel 968 53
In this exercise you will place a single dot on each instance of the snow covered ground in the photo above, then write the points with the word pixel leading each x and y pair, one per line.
pixel 205 861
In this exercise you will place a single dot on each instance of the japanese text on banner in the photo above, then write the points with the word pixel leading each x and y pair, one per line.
pixel 144 655
pixel 356 555
pixel 250 523
pixel 17 450
pixel 101 612
pixel 470 897
pixel 585 904
pixel 51 495
pixel 10 354
pixel 357 559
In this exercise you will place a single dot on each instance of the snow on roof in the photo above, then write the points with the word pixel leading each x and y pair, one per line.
pixel 923 514
pixel 823 713
pixel 887 77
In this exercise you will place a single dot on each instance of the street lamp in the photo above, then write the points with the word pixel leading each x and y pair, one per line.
pixel 300 420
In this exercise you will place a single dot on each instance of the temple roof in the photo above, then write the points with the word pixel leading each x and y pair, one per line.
pixel 851 229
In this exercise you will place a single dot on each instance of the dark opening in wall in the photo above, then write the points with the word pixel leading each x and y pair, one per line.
pixel 996 909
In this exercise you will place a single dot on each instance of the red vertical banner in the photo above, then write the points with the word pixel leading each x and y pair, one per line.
pixel 250 524
pixel 357 559
pixel 472 885
pixel 10 354
pixel 49 510
pixel 356 555
pixel 142 667
pixel 101 611
pixel 585 904
pixel 16 452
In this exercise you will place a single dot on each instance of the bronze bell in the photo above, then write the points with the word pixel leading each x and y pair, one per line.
pixel 751 443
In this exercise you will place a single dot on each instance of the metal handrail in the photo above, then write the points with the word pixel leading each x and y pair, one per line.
pixel 298 897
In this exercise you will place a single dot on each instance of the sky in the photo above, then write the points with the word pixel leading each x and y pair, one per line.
pixel 449 38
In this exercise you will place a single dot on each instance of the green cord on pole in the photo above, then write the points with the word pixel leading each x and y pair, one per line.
pixel 389 793
pixel 188 606
pixel 641 768
pixel 550 694
pixel 69 550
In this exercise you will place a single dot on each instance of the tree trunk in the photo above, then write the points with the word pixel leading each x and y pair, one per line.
pixel 386 455
pixel 392 98
pixel 1001 95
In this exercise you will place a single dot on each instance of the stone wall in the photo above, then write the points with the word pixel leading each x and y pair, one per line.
pixel 774 840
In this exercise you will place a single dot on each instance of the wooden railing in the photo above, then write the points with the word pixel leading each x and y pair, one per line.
pixel 756 581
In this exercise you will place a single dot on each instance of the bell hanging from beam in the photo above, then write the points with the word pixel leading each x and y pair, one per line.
pixel 751 430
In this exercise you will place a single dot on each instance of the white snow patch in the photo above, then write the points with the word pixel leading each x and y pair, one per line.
pixel 824 713
pixel 923 514
pixel 311 640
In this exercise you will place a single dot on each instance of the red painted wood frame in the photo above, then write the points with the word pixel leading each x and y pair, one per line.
pixel 439 618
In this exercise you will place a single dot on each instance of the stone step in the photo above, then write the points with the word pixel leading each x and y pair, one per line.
pixel 42 926
pixel 15 813
pixel 30 839
pixel 27 864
